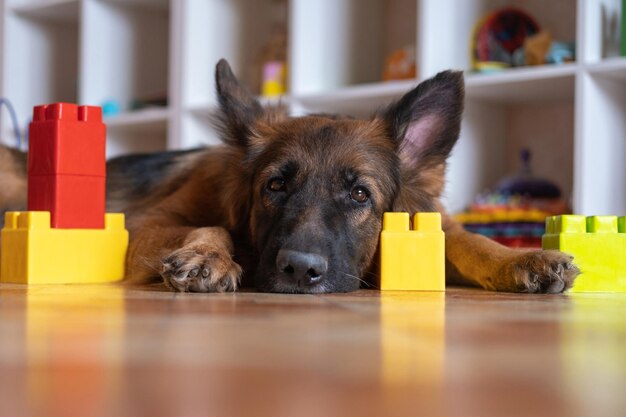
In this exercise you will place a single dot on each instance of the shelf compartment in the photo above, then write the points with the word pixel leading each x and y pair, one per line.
pixel 601 152
pixel 201 109
pixel 158 5
pixel 446 27
pixel 59 11
pixel 614 68
pixel 601 36
pixel 492 136
pixel 135 138
pixel 197 127
pixel 139 119
pixel 351 48
pixel 125 52
pixel 536 84
pixel 357 101
pixel 528 84
pixel 236 30
pixel 42 55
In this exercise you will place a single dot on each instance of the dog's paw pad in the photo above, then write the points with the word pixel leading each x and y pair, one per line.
pixel 189 270
pixel 543 271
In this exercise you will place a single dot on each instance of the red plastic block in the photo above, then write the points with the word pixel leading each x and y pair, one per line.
pixel 67 139
pixel 74 202
pixel 67 165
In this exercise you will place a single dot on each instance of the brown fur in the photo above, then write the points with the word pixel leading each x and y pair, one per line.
pixel 213 216
pixel 13 175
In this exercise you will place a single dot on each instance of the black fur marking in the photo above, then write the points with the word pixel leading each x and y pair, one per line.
pixel 239 109
pixel 289 170
pixel 141 173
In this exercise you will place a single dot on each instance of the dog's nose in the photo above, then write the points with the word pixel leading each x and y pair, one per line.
pixel 301 268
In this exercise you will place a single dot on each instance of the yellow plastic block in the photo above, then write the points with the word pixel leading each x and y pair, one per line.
pixel 35 253
pixel 598 244
pixel 412 260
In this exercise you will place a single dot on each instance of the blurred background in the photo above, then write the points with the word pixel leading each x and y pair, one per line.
pixel 545 121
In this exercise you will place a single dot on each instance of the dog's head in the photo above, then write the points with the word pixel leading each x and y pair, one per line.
pixel 319 184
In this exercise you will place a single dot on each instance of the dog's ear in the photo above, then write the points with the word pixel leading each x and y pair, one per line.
pixel 426 121
pixel 425 124
pixel 239 109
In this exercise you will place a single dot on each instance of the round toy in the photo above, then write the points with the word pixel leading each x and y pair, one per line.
pixel 499 34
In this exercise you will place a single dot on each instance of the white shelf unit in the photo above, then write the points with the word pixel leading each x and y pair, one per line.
pixel 573 116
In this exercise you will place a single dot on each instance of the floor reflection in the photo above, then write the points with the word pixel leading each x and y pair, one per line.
pixel 412 337
pixel 594 354
pixel 413 349
pixel 74 348
pixel 103 351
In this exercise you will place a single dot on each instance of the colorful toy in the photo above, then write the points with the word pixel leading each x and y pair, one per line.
pixel 274 62
pixel 510 226
pixel 541 49
pixel 514 214
pixel 561 52
pixel 412 259
pixel 35 253
pixel 67 165
pixel 274 79
pixel 510 37
pixel 598 244
pixel 400 64
pixel 65 236
pixel 498 35
pixel 111 108
pixel 536 47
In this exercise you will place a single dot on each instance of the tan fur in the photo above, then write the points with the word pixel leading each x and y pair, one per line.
pixel 480 261
pixel 14 180
pixel 168 227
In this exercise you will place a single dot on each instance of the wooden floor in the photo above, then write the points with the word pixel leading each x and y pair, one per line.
pixel 112 351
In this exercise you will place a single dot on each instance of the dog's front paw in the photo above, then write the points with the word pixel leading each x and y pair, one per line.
pixel 194 270
pixel 542 271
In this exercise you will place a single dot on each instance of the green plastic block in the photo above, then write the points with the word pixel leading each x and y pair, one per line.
pixel 598 244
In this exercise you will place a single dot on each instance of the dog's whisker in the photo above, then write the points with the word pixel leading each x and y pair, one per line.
pixel 358 279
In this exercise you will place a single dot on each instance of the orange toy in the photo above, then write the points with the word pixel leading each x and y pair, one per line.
pixel 400 65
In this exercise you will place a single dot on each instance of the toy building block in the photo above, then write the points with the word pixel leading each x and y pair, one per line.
pixel 598 244
pixel 74 201
pixel 35 253
pixel 67 165
pixel 412 259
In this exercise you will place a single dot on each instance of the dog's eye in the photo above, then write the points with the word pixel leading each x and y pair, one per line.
pixel 276 185
pixel 359 194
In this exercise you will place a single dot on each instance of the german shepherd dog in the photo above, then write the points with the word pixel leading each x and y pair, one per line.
pixel 295 204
